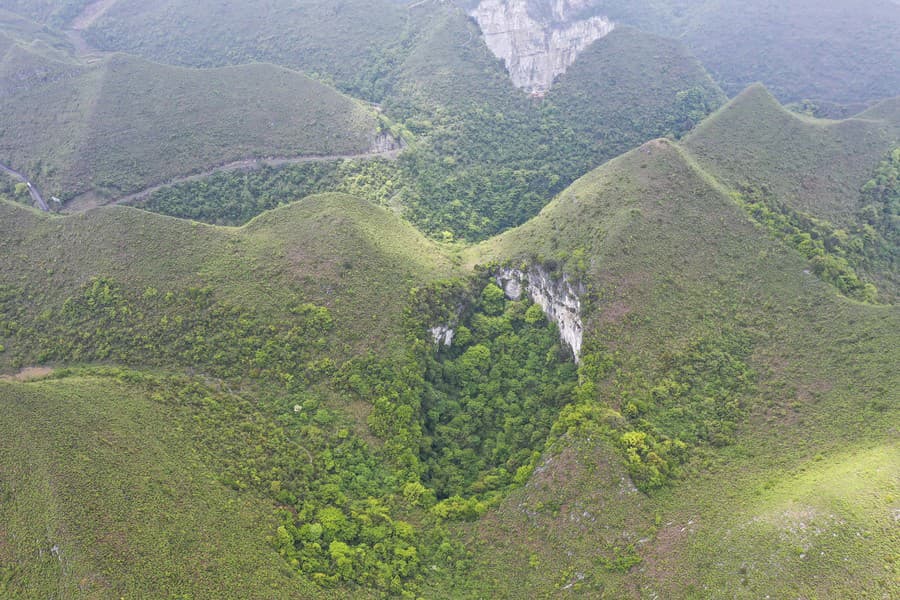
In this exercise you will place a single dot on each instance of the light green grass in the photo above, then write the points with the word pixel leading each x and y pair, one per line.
pixel 104 496
pixel 120 124
pixel 668 259
pixel 812 165
pixel 357 259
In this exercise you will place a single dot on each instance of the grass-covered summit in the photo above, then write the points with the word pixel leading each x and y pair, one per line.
pixel 724 384
pixel 109 125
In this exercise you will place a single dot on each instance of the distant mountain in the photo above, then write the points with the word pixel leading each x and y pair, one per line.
pixel 110 125
pixel 842 51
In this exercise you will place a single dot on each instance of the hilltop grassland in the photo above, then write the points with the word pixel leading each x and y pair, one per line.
pixel 299 392
pixel 712 353
pixel 483 156
pixel 824 187
pixel 118 124
pixel 799 414
pixel 357 259
pixel 816 166
pixel 104 495
pixel 489 157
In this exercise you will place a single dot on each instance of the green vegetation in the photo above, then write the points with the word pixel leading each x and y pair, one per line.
pixel 342 44
pixel 762 372
pixel 833 252
pixel 812 166
pixel 475 170
pixel 102 323
pixel 103 495
pixel 264 411
pixel 491 397
pixel 121 124
pixel 842 53
pixel 233 198
pixel 881 210
pixel 488 158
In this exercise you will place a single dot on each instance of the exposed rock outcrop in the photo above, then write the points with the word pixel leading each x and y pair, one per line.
pixel 385 142
pixel 538 39
pixel 442 335
pixel 559 299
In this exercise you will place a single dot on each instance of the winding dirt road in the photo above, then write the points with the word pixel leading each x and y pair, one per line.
pixel 250 164
pixel 35 194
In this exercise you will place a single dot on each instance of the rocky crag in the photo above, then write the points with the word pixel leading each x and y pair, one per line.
pixel 538 39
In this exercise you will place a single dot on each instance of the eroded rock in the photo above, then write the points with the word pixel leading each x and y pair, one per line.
pixel 538 40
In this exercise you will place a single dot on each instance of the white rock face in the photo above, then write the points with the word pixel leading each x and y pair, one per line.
pixel 559 300
pixel 442 334
pixel 537 48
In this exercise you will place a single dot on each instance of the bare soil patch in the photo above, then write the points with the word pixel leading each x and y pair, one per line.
pixel 28 374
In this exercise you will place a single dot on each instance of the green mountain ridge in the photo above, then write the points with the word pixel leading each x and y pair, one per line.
pixel 118 124
pixel 653 354
pixel 711 353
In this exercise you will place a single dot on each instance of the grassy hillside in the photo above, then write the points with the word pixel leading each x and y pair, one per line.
pixel 843 52
pixel 485 157
pixel 629 83
pixel 632 229
pixel 730 363
pixel 489 157
pixel 802 175
pixel 104 495
pixel 325 402
pixel 342 42
pixel 120 124
pixel 332 250
pixel 817 166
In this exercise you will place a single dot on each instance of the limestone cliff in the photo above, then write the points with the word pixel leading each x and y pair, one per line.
pixel 538 39
pixel 559 299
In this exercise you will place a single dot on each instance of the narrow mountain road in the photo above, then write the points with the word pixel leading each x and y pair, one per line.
pixel 250 164
pixel 35 194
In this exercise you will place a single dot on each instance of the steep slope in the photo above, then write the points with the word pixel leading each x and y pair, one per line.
pixel 121 124
pixel 710 354
pixel 490 156
pixel 803 178
pixel 675 271
pixel 333 250
pixel 816 166
pixel 104 496
pixel 843 52
pixel 536 46
pixel 342 41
